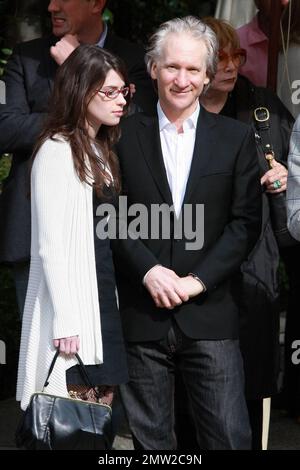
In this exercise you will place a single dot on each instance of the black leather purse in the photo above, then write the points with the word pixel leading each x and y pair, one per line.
pixel 57 423
pixel 277 202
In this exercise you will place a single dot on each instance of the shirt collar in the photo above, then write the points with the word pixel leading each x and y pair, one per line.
pixel 101 41
pixel 189 123
pixel 255 34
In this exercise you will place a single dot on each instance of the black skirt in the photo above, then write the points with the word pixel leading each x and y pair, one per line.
pixel 113 371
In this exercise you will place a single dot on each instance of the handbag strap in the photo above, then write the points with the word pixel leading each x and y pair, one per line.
pixel 261 116
pixel 83 370
pixel 51 368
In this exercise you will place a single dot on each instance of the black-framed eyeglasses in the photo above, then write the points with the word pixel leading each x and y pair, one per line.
pixel 112 93
pixel 237 56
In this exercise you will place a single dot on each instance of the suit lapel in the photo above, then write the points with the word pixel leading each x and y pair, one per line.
pixel 201 158
pixel 149 140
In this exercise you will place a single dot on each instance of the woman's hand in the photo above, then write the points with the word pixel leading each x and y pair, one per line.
pixel 278 175
pixel 68 346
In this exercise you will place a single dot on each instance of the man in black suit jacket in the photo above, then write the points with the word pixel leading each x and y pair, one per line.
pixel 176 299
pixel 28 80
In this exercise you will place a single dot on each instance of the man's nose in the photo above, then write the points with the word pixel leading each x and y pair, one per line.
pixel 53 6
pixel 182 79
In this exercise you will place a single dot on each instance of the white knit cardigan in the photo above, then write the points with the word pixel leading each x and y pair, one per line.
pixel 62 295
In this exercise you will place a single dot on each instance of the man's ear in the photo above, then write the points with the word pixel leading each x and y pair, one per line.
pixel 206 81
pixel 153 71
pixel 98 6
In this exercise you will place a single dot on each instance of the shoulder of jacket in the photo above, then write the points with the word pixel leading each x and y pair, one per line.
pixel 136 119
pixel 35 44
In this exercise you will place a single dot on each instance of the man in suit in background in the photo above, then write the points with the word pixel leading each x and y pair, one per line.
pixel 176 300
pixel 28 79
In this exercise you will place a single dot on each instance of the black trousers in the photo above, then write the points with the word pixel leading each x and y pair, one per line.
pixel 212 372
pixel 185 426
pixel 291 381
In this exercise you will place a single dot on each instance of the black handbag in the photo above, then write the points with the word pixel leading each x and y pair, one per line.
pixel 58 423
pixel 277 202
pixel 278 215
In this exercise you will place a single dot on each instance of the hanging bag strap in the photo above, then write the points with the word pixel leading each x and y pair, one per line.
pixel 51 369
pixel 261 116
pixel 83 371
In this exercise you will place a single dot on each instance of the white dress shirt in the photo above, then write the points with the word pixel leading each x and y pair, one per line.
pixel 177 150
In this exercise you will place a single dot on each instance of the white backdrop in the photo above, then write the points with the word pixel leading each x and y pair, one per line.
pixel 237 12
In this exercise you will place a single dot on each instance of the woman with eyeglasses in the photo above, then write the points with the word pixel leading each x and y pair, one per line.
pixel 71 299
pixel 235 96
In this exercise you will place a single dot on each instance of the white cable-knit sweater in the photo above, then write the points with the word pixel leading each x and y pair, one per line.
pixel 62 295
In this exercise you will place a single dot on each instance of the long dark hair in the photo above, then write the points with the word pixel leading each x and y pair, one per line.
pixel 76 82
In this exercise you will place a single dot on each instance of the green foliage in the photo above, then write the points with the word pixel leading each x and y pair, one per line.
pixel 5 52
pixel 108 16
pixel 4 167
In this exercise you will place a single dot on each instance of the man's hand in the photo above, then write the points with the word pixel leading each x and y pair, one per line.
pixel 67 346
pixel 277 174
pixel 63 48
pixel 191 286
pixel 165 288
